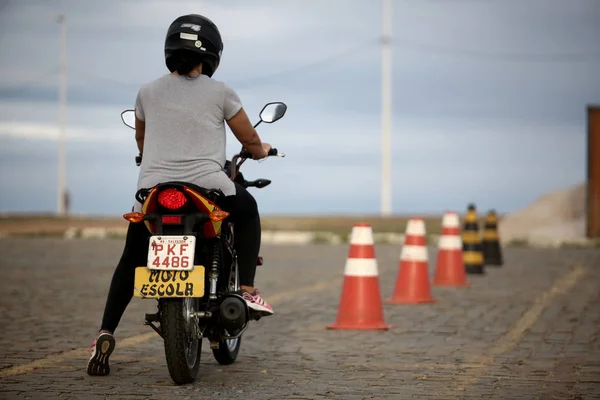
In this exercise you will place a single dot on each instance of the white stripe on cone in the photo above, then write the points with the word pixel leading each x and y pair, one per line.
pixel 413 253
pixel 450 242
pixel 450 220
pixel 361 267
pixel 361 235
pixel 416 227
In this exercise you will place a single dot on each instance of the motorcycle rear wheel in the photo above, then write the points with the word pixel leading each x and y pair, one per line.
pixel 228 349
pixel 182 346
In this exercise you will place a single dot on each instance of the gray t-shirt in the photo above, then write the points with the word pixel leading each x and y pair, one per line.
pixel 185 131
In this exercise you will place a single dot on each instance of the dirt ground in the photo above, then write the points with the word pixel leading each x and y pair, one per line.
pixel 50 225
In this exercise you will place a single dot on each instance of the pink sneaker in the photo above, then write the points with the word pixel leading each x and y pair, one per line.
pixel 101 348
pixel 256 303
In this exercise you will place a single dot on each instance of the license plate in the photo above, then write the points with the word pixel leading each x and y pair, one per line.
pixel 163 284
pixel 171 253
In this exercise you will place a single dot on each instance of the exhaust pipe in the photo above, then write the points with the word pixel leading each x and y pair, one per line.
pixel 233 314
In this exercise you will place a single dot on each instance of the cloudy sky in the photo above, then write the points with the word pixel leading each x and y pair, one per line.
pixel 489 98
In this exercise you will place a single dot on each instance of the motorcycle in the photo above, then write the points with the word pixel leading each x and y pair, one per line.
pixel 192 268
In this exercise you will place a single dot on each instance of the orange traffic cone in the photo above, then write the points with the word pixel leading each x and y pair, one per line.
pixel 360 306
pixel 450 265
pixel 412 283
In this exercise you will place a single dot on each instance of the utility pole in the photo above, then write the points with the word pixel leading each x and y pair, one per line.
pixel 62 132
pixel 386 108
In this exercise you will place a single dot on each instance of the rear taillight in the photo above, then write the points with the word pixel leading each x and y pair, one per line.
pixel 172 199
pixel 171 219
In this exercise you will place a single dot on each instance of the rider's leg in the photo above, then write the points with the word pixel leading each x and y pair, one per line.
pixel 121 287
pixel 119 296
pixel 247 231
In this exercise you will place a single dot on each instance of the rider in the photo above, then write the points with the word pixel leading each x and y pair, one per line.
pixel 180 129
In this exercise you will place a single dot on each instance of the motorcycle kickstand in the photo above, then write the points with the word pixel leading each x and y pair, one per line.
pixel 150 318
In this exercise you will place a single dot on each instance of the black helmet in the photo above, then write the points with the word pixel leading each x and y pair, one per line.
pixel 197 35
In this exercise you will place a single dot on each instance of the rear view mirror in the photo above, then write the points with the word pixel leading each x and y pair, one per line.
pixel 271 112
pixel 128 117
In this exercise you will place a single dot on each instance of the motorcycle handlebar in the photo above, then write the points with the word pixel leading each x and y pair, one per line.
pixel 246 154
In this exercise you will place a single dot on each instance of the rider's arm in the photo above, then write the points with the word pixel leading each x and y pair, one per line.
pixel 140 123
pixel 240 124
pixel 140 132
pixel 243 130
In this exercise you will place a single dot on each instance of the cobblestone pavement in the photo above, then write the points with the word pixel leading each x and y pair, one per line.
pixel 527 330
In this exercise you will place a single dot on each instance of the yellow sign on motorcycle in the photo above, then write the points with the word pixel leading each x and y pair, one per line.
pixel 165 284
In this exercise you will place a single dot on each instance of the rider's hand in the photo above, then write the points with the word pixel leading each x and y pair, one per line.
pixel 266 147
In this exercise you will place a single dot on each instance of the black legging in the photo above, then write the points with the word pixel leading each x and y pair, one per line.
pixel 243 213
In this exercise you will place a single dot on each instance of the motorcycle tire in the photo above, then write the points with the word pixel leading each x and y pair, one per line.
pixel 182 348
pixel 228 351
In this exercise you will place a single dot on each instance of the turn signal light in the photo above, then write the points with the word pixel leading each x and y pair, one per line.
pixel 134 217
pixel 218 215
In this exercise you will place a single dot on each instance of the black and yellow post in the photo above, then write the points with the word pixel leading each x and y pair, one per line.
pixel 472 251
pixel 492 253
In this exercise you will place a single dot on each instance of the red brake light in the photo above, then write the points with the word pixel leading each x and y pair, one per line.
pixel 171 199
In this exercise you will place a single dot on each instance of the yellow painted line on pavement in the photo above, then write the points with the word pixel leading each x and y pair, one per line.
pixel 57 358
pixel 480 364
pixel 562 286
pixel 143 338
pixel 315 288
pixel 41 363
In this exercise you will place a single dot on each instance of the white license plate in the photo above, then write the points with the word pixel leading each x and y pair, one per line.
pixel 171 253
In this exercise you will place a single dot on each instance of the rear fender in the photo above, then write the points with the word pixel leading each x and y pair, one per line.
pixel 201 201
